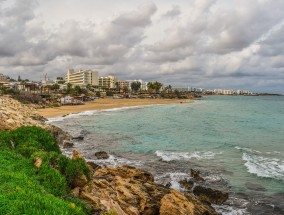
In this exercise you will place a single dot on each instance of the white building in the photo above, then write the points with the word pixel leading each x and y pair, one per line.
pixel 108 82
pixel 82 77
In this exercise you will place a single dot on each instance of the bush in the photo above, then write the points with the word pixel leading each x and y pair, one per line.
pixel 29 139
pixel 25 189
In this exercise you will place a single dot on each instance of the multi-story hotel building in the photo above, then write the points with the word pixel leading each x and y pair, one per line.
pixel 108 82
pixel 82 77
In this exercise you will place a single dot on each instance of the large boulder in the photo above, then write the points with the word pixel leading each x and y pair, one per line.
pixel 101 155
pixel 178 204
pixel 210 195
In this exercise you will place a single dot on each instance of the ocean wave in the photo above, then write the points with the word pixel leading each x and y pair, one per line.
pixel 264 167
pixel 247 150
pixel 174 178
pixel 113 161
pixel 170 156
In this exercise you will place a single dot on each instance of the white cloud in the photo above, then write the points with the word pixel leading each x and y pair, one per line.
pixel 199 42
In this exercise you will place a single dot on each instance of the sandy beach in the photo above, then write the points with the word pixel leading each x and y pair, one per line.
pixel 106 103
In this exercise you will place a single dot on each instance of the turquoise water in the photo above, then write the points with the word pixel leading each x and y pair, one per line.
pixel 239 140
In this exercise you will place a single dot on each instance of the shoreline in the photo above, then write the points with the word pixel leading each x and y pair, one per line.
pixel 104 104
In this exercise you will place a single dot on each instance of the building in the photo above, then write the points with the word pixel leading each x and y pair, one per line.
pixel 82 77
pixel 123 84
pixel 4 78
pixel 108 82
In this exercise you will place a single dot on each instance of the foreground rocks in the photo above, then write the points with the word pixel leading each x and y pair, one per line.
pixel 128 190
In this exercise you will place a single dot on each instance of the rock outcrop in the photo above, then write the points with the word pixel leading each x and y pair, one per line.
pixel 101 155
pixel 210 195
pixel 128 190
pixel 14 114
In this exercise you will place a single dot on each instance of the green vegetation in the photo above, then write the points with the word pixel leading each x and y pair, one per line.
pixel 25 189
pixel 135 86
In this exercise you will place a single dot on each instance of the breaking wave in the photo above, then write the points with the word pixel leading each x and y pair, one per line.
pixel 264 167
pixel 170 156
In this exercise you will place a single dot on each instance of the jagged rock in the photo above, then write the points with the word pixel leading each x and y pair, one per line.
pixel 187 184
pixel 210 195
pixel 128 190
pixel 196 175
pixel 80 137
pixel 101 155
pixel 79 181
pixel 59 134
pixel 67 144
pixel 93 166
pixel 178 204
pixel 76 192
pixel 38 162
pixel 76 154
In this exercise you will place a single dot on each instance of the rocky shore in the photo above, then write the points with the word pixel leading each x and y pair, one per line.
pixel 123 189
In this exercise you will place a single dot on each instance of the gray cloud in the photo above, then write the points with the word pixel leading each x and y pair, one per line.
pixel 206 43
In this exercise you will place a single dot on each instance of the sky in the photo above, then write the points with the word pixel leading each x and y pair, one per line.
pixel 211 44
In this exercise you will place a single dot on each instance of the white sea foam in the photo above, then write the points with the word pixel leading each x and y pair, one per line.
pixel 229 210
pixel 170 156
pixel 264 167
pixel 247 150
pixel 174 178
pixel 116 161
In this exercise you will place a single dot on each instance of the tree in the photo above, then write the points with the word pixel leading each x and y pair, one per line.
pixel 77 90
pixel 55 87
pixel 157 86
pixel 69 88
pixel 89 86
pixel 135 86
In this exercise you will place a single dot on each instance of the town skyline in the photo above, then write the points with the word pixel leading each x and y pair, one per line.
pixel 211 44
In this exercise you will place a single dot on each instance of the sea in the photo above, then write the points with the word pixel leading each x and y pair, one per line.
pixel 236 142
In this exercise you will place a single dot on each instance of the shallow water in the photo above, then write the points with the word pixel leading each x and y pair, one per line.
pixel 237 142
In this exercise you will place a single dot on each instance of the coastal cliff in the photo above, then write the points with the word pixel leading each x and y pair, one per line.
pixel 121 190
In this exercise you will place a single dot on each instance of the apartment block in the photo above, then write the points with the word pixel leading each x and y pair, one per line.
pixel 82 77
pixel 108 82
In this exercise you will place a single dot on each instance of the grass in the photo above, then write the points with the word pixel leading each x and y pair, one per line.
pixel 24 189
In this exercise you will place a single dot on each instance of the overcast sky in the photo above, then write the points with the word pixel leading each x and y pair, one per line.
pixel 232 44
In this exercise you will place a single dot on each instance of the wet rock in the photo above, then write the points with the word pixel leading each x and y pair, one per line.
pixel 168 185
pixel 196 175
pixel 59 134
pixel 80 137
pixel 67 144
pixel 210 195
pixel 255 187
pixel 94 166
pixel 186 184
pixel 101 155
